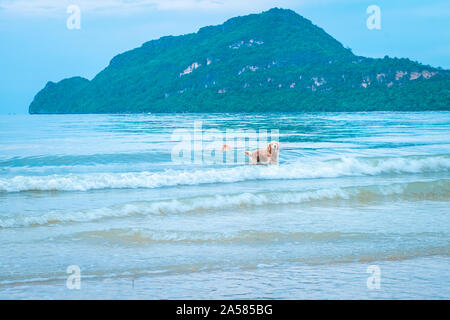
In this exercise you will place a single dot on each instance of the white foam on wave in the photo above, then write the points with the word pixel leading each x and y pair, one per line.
pixel 299 170
pixel 429 190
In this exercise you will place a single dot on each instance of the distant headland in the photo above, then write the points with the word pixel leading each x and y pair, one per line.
pixel 273 61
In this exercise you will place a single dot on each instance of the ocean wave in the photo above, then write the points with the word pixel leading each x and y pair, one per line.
pixel 146 236
pixel 67 161
pixel 299 170
pixel 438 190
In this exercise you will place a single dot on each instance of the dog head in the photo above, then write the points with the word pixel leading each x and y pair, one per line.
pixel 273 147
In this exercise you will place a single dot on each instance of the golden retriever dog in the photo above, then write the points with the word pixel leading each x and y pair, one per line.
pixel 268 155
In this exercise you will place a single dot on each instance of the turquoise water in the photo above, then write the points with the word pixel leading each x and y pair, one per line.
pixel 102 192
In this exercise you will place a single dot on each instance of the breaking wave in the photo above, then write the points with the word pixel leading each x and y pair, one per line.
pixel 167 178
pixel 438 190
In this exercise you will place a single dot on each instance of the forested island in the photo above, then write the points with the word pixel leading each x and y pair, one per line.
pixel 275 61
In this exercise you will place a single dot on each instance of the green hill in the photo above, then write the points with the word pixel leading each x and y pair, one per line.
pixel 273 61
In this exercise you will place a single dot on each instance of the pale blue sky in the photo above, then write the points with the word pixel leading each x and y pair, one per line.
pixel 36 46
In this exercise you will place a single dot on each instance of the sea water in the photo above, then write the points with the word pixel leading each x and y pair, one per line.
pixel 358 207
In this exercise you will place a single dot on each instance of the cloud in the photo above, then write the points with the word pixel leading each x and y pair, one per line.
pixel 49 7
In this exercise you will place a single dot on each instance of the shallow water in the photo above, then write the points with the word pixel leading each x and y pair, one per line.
pixel 102 192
